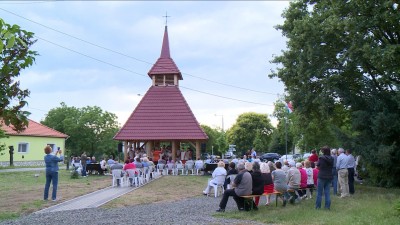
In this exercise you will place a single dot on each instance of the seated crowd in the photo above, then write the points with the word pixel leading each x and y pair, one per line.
pixel 290 181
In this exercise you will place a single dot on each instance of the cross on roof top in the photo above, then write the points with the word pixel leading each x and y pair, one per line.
pixel 166 18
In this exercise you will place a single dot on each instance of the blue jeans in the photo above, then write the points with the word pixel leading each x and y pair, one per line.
pixel 83 170
pixel 324 185
pixel 51 177
pixel 335 180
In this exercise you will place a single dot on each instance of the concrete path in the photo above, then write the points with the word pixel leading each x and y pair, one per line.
pixel 22 169
pixel 92 200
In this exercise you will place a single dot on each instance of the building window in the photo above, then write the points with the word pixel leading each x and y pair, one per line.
pixel 169 80
pixel 23 147
pixel 53 147
pixel 159 80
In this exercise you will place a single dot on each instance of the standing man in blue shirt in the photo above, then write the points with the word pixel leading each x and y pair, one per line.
pixel 51 171
pixel 341 167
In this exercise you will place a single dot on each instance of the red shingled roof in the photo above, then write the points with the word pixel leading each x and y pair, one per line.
pixel 162 114
pixel 165 64
pixel 34 129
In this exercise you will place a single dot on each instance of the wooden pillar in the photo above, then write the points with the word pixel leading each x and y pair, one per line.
pixel 173 150
pixel 149 147
pixel 125 150
pixel 198 148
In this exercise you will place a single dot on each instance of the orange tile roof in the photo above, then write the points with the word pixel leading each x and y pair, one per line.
pixel 34 129
pixel 162 114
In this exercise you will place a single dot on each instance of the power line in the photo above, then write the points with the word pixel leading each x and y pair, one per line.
pixel 134 58
pixel 91 57
pixel 122 68
pixel 220 96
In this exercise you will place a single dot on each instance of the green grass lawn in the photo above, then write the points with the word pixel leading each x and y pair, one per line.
pixel 22 192
pixel 370 205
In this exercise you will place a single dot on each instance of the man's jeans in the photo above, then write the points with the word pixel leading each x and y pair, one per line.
pixel 335 180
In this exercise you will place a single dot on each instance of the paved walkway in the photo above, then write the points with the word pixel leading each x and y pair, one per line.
pixel 91 200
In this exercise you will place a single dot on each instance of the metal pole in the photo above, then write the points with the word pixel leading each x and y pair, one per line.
pixel 286 133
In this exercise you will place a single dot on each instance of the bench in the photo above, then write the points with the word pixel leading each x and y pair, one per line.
pixel 249 198
pixel 293 192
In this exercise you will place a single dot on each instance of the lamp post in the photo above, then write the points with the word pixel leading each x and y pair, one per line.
pixel 222 117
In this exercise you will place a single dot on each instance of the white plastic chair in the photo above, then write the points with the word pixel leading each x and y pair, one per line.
pixel 117 174
pixel 199 166
pixel 220 179
pixel 231 177
pixel 170 167
pixel 141 175
pixel 152 172
pixel 132 175
pixel 189 167
pixel 179 166
pixel 146 174
pixel 160 169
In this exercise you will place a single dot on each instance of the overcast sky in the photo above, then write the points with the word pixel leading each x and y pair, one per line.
pixel 98 53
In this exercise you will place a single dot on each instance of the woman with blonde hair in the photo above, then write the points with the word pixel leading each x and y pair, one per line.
pixel 310 178
pixel 268 182
pixel 218 177
pixel 51 162
pixel 248 166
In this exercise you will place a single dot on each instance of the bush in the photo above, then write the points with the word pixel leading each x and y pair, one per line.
pixel 74 175
pixel 397 206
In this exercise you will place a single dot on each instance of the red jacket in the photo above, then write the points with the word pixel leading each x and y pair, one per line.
pixel 303 175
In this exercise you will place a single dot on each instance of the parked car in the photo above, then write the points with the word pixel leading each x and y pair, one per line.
pixel 229 155
pixel 205 156
pixel 306 156
pixel 285 157
pixel 270 157
pixel 297 156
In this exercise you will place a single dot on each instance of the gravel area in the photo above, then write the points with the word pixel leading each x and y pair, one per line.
pixel 196 210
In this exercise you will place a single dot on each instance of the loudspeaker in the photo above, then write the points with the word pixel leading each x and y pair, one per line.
pixel 120 147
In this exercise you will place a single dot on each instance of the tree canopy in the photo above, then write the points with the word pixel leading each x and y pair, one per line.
pixel 90 129
pixel 15 55
pixel 250 130
pixel 216 140
pixel 342 73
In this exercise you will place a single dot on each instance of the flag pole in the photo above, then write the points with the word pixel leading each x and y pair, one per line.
pixel 286 133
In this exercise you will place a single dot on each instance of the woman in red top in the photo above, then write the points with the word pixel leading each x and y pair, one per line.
pixel 268 182
pixel 313 157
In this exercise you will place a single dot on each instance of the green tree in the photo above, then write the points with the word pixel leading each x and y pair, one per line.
pixel 15 55
pixel 216 142
pixel 250 128
pixel 342 56
pixel 90 128
pixel 285 125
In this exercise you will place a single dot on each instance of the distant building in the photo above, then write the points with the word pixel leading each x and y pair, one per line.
pixel 29 144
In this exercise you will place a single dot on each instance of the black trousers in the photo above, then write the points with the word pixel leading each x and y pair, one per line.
pixel 351 180
pixel 231 192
